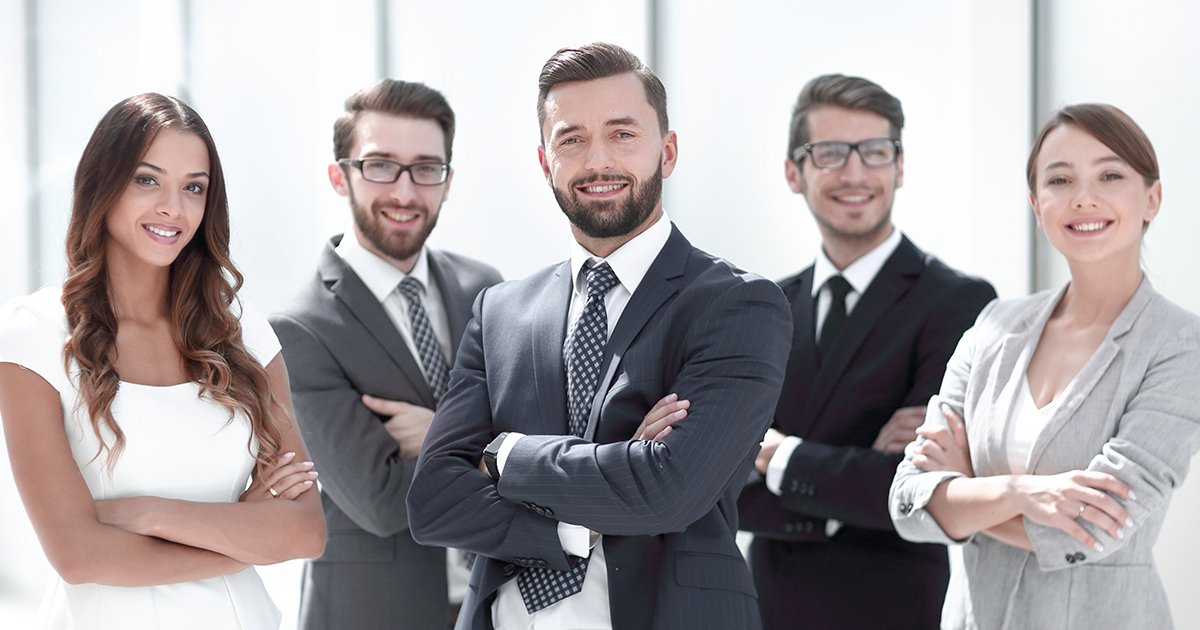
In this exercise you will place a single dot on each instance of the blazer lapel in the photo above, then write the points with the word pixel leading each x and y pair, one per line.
pixel 548 328
pixel 655 288
pixel 892 282
pixel 1091 372
pixel 456 302
pixel 803 364
pixel 351 292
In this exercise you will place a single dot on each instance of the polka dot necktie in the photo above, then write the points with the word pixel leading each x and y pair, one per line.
pixel 437 372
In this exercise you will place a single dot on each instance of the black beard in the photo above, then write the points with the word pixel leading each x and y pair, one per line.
pixel 395 246
pixel 591 217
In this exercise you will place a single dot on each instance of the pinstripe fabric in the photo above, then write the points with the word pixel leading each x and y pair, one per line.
pixel 695 326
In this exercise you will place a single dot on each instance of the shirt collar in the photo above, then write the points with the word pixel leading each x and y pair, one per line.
pixel 632 260
pixel 380 275
pixel 859 273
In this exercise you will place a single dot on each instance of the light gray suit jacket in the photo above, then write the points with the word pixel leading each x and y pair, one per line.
pixel 339 343
pixel 1133 411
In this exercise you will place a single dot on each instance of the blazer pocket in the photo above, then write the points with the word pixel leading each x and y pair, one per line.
pixel 357 547
pixel 713 571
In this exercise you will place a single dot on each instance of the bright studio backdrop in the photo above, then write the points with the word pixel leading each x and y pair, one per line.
pixel 269 77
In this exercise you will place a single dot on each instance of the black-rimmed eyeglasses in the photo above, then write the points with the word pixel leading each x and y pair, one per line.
pixel 383 171
pixel 875 152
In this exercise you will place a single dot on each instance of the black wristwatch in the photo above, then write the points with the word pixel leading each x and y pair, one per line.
pixel 490 452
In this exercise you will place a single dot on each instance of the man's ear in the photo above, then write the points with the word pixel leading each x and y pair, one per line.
pixel 541 151
pixel 670 153
pixel 337 179
pixel 795 178
pixel 900 170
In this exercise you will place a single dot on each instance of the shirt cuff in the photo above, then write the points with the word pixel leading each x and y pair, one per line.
pixel 778 463
pixel 506 447
pixel 575 539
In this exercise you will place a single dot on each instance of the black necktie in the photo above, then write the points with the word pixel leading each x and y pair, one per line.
pixel 437 373
pixel 582 353
pixel 836 317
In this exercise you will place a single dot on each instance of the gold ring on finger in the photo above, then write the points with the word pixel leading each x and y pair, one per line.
pixel 1082 507
pixel 276 495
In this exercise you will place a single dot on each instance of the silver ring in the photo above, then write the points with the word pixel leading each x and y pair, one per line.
pixel 276 495
pixel 1082 507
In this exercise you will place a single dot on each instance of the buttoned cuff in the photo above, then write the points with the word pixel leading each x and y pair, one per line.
pixel 778 464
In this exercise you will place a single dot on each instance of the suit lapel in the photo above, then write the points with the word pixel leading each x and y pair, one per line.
pixel 1091 372
pixel 349 289
pixel 892 282
pixel 456 303
pixel 655 288
pixel 548 328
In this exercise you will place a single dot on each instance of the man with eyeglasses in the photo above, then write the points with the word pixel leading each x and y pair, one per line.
pixel 369 342
pixel 875 322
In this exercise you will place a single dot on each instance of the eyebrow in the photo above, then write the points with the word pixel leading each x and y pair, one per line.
pixel 388 155
pixel 1062 163
pixel 159 170
pixel 624 121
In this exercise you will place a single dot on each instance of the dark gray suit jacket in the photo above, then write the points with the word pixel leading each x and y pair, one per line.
pixel 339 344
pixel 668 510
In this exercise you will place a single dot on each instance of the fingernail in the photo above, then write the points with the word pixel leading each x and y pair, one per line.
pixel 680 414
pixel 307 483
pixel 672 396
pixel 1132 496
pixel 1128 522
pixel 945 407
pixel 313 473
pixel 306 464
pixel 684 404
pixel 288 455
pixel 1097 547
pixel 1121 533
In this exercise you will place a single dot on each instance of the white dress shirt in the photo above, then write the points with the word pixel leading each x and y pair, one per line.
pixel 859 274
pixel 381 279
pixel 587 609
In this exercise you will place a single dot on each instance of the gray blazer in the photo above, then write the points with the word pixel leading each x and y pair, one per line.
pixel 339 344
pixel 1133 411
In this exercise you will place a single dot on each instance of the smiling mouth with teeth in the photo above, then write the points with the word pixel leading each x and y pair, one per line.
pixel 602 188
pixel 400 217
pixel 1091 226
pixel 162 233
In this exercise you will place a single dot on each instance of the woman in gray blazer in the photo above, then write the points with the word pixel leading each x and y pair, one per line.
pixel 1067 418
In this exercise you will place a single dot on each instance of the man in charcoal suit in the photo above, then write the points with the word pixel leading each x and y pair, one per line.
pixel 530 461
pixel 369 342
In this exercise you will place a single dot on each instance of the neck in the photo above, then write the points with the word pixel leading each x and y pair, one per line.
pixel 1099 292
pixel 138 291
pixel 842 251
pixel 604 247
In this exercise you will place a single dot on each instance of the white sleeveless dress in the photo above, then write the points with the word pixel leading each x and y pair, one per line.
pixel 177 446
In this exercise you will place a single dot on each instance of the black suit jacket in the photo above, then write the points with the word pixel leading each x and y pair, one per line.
pixel 668 510
pixel 891 353
pixel 339 343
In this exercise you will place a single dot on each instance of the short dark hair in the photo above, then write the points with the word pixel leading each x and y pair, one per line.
pixel 599 60
pixel 1112 127
pixel 398 98
pixel 839 90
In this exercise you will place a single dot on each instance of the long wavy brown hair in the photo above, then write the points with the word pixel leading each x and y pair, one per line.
pixel 202 287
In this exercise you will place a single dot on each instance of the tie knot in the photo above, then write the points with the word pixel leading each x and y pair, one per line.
pixel 839 288
pixel 411 288
pixel 600 279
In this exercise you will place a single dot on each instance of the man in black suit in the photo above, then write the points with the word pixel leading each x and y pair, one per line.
pixel 875 321
pixel 369 340
pixel 578 525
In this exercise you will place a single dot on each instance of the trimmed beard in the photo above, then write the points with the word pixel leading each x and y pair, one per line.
pixel 395 245
pixel 591 217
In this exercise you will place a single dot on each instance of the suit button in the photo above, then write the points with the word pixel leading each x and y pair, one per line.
pixel 509 569
pixel 1079 556
pixel 795 485
pixel 1070 558
pixel 808 527
pixel 905 508
pixel 789 528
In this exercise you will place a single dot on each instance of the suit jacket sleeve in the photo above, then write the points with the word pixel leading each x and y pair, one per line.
pixel 735 351
pixel 912 488
pixel 850 483
pixel 451 502
pixel 1158 435
pixel 360 463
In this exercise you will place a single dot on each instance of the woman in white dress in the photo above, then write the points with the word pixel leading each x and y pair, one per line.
pixel 146 411
pixel 1066 419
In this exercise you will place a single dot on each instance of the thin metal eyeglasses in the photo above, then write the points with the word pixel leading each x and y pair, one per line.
pixel 874 152
pixel 383 171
